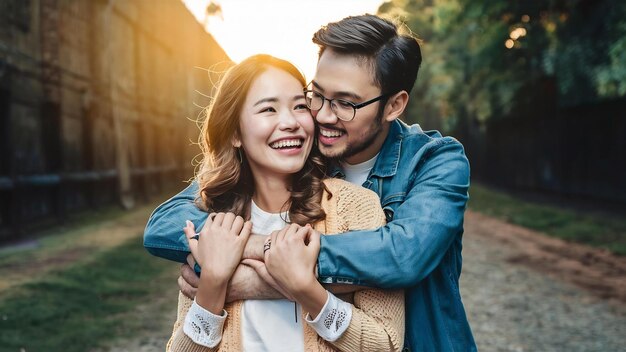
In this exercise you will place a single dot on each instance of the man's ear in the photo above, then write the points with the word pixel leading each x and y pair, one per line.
pixel 396 105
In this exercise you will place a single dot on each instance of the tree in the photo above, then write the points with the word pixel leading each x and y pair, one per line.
pixel 213 9
pixel 492 59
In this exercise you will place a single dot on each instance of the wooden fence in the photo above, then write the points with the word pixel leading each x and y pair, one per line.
pixel 96 99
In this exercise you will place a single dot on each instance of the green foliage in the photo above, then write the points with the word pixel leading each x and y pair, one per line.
pixel 600 231
pixel 78 308
pixel 611 78
pixel 490 59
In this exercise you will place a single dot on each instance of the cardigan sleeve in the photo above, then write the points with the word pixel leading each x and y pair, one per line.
pixel 179 341
pixel 377 321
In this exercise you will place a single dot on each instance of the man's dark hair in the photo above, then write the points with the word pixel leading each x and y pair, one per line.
pixel 395 57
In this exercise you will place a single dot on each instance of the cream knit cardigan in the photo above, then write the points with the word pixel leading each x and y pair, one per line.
pixel 377 316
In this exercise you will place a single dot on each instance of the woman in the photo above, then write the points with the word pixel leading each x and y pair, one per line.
pixel 260 163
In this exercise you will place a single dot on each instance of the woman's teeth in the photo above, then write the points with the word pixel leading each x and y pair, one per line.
pixel 286 143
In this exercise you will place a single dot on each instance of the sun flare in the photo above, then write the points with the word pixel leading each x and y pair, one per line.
pixel 282 28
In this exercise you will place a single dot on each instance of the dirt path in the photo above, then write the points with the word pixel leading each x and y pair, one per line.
pixel 526 292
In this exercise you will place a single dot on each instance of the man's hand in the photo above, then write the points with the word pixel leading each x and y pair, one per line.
pixel 261 271
pixel 254 247
pixel 188 280
pixel 246 283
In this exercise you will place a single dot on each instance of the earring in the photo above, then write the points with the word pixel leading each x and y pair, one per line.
pixel 240 155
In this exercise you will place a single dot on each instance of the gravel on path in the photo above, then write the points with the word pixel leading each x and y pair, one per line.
pixel 515 307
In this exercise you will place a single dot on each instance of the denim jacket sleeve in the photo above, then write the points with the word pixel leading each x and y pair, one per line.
pixel 405 251
pixel 163 236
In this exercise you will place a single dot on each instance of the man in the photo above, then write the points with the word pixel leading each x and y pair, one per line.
pixel 365 72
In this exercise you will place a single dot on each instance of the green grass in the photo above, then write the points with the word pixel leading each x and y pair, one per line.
pixel 599 231
pixel 82 306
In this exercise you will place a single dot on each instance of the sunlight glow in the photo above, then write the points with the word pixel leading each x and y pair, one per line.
pixel 518 33
pixel 282 28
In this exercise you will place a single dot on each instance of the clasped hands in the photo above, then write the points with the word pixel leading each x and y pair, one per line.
pixel 288 265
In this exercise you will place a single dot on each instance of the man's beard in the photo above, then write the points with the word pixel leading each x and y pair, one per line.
pixel 359 146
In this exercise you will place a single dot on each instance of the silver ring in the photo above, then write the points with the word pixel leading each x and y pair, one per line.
pixel 195 237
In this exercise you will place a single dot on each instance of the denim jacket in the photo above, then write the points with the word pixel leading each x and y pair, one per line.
pixel 422 180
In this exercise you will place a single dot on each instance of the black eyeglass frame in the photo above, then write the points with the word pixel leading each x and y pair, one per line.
pixel 354 106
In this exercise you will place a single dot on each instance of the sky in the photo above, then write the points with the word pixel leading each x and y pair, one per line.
pixel 282 28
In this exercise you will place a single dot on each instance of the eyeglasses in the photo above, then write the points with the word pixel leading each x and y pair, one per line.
pixel 343 109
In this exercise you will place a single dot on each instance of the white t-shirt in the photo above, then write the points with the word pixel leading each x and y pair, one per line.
pixel 270 325
pixel 357 173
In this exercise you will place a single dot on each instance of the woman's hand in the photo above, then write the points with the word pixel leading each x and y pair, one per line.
pixel 291 260
pixel 219 247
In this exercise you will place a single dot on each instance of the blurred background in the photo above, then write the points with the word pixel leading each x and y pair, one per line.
pixel 535 90
pixel 99 102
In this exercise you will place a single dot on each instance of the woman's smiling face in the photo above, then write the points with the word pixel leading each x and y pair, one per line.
pixel 276 128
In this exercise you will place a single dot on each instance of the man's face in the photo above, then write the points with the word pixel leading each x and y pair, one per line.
pixel 345 77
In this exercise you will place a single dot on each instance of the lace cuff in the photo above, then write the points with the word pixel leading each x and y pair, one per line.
pixel 333 319
pixel 204 327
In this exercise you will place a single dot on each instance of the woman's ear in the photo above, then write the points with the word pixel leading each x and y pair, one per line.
pixel 236 142
pixel 396 105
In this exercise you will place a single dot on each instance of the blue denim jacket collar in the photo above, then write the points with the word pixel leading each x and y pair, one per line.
pixel 388 158
pixel 334 170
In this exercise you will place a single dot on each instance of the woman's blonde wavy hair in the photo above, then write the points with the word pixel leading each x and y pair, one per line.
pixel 224 177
